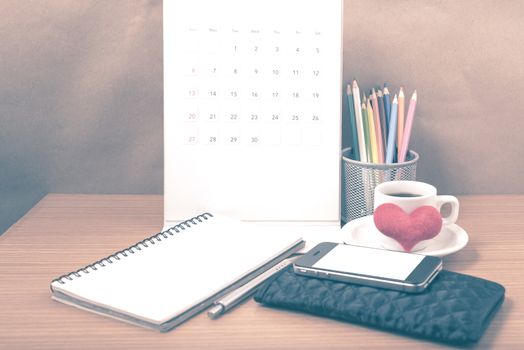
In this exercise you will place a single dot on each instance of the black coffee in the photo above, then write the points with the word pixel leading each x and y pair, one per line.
pixel 404 194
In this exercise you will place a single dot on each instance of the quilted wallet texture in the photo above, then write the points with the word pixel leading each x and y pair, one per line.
pixel 455 308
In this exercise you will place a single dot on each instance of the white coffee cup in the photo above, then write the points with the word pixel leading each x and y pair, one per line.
pixel 410 195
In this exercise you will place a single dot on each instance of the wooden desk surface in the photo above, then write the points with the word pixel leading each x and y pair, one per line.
pixel 64 232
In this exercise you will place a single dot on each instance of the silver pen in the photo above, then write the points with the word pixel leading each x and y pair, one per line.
pixel 245 291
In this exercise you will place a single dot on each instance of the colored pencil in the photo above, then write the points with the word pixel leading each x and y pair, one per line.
pixel 378 127
pixel 392 134
pixel 365 124
pixel 365 121
pixel 358 119
pixel 352 124
pixel 407 129
pixel 382 113
pixel 400 116
pixel 372 134
pixel 387 107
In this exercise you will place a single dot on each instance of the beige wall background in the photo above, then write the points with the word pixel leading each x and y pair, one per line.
pixel 81 92
pixel 465 58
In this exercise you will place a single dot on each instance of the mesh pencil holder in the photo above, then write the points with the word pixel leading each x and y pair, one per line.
pixel 359 180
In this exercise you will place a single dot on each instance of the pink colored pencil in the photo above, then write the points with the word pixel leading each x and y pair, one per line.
pixel 378 127
pixel 400 121
pixel 408 127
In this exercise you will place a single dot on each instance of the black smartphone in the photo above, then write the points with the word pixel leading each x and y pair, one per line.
pixel 375 267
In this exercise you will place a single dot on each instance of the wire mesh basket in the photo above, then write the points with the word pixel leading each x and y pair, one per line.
pixel 359 180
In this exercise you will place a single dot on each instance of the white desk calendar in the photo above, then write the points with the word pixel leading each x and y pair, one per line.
pixel 252 109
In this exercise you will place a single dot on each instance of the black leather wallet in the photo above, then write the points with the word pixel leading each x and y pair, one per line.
pixel 455 308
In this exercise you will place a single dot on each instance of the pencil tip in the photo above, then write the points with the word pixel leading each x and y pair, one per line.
pixel 395 99
pixel 386 90
pixel 348 91
pixel 414 96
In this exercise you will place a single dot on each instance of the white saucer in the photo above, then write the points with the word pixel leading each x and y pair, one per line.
pixel 451 239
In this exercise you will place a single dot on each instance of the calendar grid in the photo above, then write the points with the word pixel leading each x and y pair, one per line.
pixel 251 86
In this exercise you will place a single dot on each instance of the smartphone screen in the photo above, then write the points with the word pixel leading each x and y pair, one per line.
pixel 371 262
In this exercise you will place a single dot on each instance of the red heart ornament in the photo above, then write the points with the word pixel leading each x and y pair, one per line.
pixel 423 223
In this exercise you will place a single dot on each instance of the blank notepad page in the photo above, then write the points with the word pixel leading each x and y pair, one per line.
pixel 171 276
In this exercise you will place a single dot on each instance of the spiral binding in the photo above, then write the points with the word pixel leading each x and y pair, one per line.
pixel 158 237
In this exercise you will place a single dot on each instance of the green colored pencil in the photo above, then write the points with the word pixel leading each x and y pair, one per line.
pixel 352 124
pixel 365 124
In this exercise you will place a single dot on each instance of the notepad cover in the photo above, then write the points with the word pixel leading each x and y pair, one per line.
pixel 456 308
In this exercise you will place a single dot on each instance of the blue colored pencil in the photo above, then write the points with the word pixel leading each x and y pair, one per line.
pixel 382 113
pixel 352 123
pixel 387 107
pixel 390 151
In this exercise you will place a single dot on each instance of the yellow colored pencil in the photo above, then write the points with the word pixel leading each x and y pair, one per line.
pixel 366 121
pixel 372 134
pixel 400 125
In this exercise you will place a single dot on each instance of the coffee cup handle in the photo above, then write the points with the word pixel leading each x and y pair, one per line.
pixel 453 201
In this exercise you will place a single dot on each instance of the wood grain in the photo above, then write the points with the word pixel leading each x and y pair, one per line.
pixel 64 232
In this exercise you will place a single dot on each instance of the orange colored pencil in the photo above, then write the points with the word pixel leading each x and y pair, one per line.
pixel 372 133
pixel 378 127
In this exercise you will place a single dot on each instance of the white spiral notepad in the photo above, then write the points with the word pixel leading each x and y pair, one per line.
pixel 167 278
